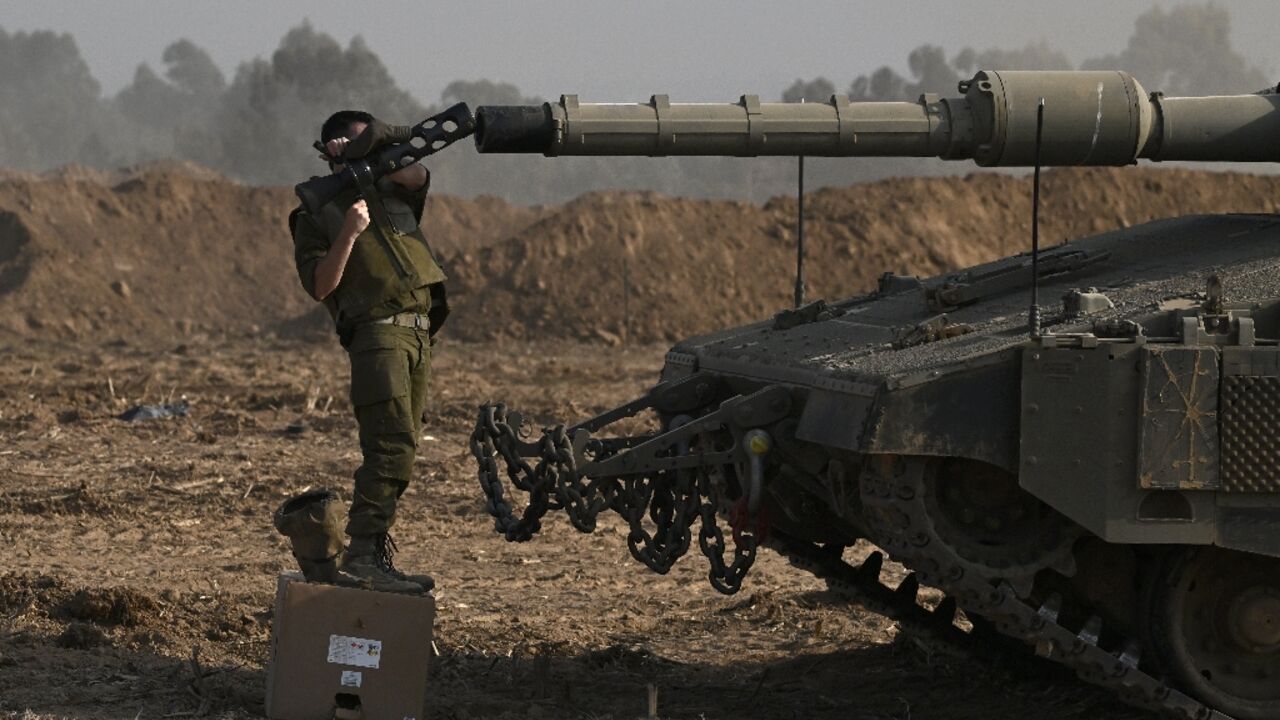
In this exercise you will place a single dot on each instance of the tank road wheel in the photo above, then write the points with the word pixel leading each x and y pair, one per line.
pixel 1217 625
pixel 973 518
pixel 998 529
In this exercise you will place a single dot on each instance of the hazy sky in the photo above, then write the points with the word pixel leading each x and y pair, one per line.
pixel 612 50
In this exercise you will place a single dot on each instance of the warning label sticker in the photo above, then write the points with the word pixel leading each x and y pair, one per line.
pixel 351 678
pixel 360 652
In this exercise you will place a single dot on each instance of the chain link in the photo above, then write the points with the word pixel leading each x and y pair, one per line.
pixel 725 578
pixel 671 500
pixel 493 438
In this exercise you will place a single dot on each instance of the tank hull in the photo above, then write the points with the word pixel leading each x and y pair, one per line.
pixel 875 382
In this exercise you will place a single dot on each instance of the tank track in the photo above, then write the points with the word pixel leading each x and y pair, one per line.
pixel 884 485
pixel 862 585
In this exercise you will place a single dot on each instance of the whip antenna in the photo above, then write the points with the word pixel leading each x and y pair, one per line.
pixel 1033 319
pixel 799 292
pixel 800 233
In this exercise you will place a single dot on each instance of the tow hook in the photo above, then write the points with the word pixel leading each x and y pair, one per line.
pixel 758 444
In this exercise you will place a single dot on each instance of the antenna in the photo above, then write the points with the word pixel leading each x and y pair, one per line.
pixel 1033 319
pixel 799 291
pixel 800 234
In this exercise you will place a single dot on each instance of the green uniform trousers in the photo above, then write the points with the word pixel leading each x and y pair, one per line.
pixel 390 367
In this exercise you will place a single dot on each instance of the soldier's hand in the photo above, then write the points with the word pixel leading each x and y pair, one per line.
pixel 376 135
pixel 335 148
pixel 357 218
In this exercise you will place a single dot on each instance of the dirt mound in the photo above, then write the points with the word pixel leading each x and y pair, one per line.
pixel 456 225
pixel 159 253
pixel 169 250
pixel 166 251
pixel 668 267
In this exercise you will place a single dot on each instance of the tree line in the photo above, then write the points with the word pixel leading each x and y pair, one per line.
pixel 257 125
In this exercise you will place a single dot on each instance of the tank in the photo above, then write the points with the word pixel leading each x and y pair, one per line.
pixel 1095 476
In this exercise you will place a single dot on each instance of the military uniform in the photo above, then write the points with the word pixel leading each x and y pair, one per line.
pixel 389 300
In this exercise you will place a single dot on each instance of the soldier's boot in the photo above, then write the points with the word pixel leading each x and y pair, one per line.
pixel 313 523
pixel 370 556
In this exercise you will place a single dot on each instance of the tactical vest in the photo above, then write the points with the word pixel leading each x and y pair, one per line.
pixel 385 268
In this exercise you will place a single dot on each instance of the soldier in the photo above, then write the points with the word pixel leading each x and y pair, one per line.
pixel 366 259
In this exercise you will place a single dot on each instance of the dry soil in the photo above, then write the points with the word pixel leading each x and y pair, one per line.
pixel 133 547
pixel 139 559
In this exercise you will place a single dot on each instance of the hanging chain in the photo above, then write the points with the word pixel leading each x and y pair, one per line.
pixel 671 500
pixel 493 438
pixel 725 578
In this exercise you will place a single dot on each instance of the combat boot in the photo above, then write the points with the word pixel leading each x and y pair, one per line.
pixel 370 557
pixel 313 523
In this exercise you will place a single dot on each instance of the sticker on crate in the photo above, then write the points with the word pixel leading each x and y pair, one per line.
pixel 360 652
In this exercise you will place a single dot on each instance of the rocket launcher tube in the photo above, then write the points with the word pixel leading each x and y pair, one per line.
pixel 1093 118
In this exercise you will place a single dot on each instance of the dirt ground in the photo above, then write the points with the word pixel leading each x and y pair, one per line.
pixel 132 548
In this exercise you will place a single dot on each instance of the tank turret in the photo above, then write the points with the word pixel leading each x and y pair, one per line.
pixel 1101 483
pixel 1091 118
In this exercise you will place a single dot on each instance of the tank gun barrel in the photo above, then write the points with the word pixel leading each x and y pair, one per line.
pixel 1093 118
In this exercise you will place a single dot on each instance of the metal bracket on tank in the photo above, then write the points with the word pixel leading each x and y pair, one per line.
pixel 1084 341
pixel 743 412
